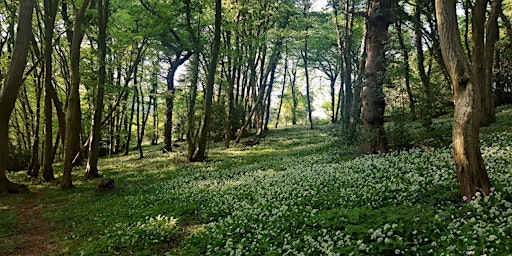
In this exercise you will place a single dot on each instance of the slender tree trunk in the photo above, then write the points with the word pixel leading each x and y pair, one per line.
pixel 379 19
pixel 95 137
pixel 169 104
pixel 12 83
pixel 491 37
pixel 201 151
pixel 426 116
pixel 169 101
pixel 35 163
pixel 281 99
pixel 407 75
pixel 154 105
pixel 347 57
pixel 306 72
pixel 73 122
pixel 467 82
pixel 294 95
pixel 191 141
pixel 339 48
pixel 128 124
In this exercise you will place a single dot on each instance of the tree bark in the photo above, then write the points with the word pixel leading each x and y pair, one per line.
pixel 9 90
pixel 426 116
pixel 491 37
pixel 469 165
pixel 169 101
pixel 306 71
pixel 379 19
pixel 407 74
pixel 203 134
pixel 50 9
pixel 281 99
pixel 347 57
pixel 95 136
pixel 73 121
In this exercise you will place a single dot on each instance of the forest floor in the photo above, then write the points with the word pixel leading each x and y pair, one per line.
pixel 299 191
pixel 33 236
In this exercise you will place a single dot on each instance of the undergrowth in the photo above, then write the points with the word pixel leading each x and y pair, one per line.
pixel 299 192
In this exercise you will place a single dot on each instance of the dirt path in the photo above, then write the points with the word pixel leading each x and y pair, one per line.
pixel 36 234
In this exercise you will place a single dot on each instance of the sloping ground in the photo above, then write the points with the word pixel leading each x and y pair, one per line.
pixel 27 234
pixel 298 192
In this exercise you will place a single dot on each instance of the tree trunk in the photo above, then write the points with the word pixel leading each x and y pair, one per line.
pixel 191 140
pixel 281 99
pixel 9 90
pixel 169 106
pixel 169 101
pixel 407 74
pixel 50 7
pixel 467 83
pixel 294 95
pixel 426 116
pixel 128 126
pixel 92 161
pixel 347 57
pixel 491 37
pixel 73 122
pixel 306 71
pixel 355 107
pixel 154 105
pixel 35 163
pixel 379 19
pixel 203 134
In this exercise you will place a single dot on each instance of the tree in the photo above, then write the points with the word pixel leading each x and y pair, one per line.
pixel 50 11
pixel 73 111
pixel 379 18
pixel 95 136
pixel 468 80
pixel 9 90
pixel 304 54
pixel 200 154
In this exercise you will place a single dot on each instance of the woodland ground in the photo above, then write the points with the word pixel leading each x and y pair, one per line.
pixel 298 192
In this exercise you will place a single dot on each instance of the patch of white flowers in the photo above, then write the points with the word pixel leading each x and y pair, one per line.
pixel 276 206
pixel 151 230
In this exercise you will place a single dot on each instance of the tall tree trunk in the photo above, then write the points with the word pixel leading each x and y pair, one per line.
pixel 154 105
pixel 379 19
pixel 491 37
pixel 205 127
pixel 73 122
pixel 426 116
pixel 407 67
pixel 294 94
pixel 339 48
pixel 355 108
pixel 128 126
pixel 9 90
pixel 50 9
pixel 347 57
pixel 281 99
pixel 169 100
pixel 467 82
pixel 191 140
pixel 95 137
pixel 169 106
pixel 306 71
pixel 35 163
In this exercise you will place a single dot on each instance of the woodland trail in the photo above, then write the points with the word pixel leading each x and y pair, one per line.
pixel 36 235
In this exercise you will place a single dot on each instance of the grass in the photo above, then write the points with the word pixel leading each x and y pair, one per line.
pixel 299 192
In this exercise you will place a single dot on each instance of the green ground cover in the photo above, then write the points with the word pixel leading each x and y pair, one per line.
pixel 299 192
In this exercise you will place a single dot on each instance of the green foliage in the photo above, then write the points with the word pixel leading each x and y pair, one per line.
pixel 17 158
pixel 299 191
pixel 135 237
